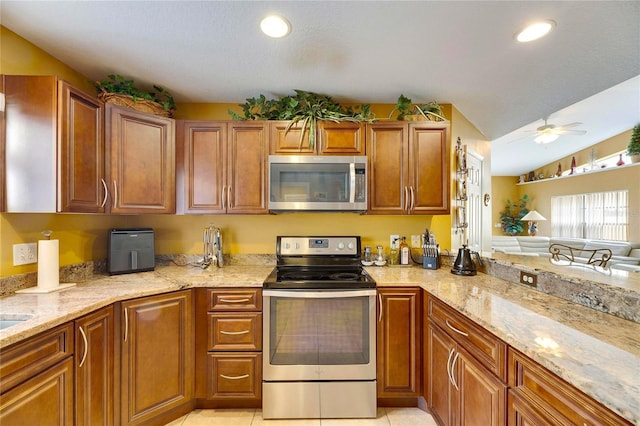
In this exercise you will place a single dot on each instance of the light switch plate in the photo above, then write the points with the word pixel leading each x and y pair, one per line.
pixel 24 254
pixel 415 241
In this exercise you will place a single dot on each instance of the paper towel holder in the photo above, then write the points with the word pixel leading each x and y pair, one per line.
pixel 49 268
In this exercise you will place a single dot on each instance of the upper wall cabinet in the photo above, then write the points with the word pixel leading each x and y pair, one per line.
pixel 54 147
pixel 222 167
pixel 141 161
pixel 331 139
pixel 408 167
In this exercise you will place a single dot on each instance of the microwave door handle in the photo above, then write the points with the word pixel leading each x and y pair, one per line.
pixel 352 182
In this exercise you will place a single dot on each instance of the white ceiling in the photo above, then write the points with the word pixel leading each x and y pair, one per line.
pixel 459 52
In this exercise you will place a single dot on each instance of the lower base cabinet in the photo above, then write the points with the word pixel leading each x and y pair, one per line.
pixel 157 371
pixel 44 400
pixel 538 397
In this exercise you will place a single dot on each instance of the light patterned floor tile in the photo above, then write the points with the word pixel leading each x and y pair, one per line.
pixel 259 421
pixel 409 417
pixel 218 417
pixel 380 420
pixel 178 422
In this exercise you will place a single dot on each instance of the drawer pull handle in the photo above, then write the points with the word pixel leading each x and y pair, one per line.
pixel 234 332
pixel 234 377
pixel 234 300
pixel 455 329
pixel 86 347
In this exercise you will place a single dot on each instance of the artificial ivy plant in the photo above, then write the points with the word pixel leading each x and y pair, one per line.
pixel 511 216
pixel 120 85
pixel 405 106
pixel 634 143
pixel 304 109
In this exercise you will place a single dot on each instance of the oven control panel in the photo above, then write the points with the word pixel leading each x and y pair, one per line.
pixel 330 246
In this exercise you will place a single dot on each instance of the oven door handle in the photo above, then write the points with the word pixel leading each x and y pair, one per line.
pixel 332 294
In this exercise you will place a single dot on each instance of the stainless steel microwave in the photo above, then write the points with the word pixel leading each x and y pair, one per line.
pixel 317 183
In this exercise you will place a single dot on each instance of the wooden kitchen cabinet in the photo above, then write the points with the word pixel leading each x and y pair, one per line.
pixel 141 161
pixel 94 368
pixel 36 380
pixel 539 397
pixel 331 139
pixel 229 347
pixel 55 147
pixel 222 167
pixel 465 370
pixel 408 167
pixel 157 369
pixel 399 360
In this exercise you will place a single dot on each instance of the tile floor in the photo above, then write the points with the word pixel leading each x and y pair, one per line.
pixel 253 417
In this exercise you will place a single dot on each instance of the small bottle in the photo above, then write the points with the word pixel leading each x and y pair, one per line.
pixel 404 251
pixel 367 254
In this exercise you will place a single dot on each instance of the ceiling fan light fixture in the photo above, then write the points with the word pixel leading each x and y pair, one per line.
pixel 545 138
pixel 535 31
pixel 275 26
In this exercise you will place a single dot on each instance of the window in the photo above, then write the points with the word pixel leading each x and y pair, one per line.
pixel 598 215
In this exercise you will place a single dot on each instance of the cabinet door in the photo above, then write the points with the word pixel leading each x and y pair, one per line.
pixel 340 138
pixel 440 351
pixel 81 177
pixel 399 342
pixel 201 166
pixel 429 170
pixel 45 399
pixel 481 397
pixel 524 413
pixel 282 142
pixel 247 155
pixel 387 152
pixel 94 368
pixel 142 161
pixel 157 356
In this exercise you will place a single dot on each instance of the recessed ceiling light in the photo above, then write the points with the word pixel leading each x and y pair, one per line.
pixel 275 26
pixel 535 31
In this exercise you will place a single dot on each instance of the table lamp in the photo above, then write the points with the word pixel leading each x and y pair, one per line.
pixel 532 217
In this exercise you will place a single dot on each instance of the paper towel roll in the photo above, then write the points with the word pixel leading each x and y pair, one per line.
pixel 48 264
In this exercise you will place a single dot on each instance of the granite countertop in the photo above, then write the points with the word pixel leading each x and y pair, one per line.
pixel 596 352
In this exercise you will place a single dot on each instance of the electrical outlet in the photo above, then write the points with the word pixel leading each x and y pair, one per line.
pixel 415 241
pixel 23 254
pixel 528 278
pixel 394 241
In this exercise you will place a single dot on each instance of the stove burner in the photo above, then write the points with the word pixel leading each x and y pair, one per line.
pixel 300 275
pixel 344 276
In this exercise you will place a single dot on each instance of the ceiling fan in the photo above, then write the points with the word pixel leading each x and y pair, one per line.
pixel 550 132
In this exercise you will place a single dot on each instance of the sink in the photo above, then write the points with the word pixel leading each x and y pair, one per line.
pixel 9 320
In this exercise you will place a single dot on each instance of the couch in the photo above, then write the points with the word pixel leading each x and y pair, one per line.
pixel 624 255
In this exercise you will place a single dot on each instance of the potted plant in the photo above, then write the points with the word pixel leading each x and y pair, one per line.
pixel 633 149
pixel 304 109
pixel 118 90
pixel 511 216
pixel 407 110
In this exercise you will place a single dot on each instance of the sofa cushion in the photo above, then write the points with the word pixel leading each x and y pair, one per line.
pixel 619 248
pixel 505 244
pixel 534 244
pixel 577 243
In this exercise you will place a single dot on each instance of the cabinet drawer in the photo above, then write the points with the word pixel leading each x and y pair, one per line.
pixel 485 347
pixel 26 359
pixel 234 375
pixel 234 331
pixel 556 399
pixel 235 300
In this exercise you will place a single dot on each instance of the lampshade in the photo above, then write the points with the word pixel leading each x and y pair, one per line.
pixel 533 216
pixel 544 138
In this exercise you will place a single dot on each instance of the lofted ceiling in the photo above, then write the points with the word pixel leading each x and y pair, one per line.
pixel 459 52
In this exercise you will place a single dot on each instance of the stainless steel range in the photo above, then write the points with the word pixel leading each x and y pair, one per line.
pixel 319 331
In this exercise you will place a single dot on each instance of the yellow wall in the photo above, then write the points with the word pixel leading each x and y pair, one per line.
pixel 540 192
pixel 84 237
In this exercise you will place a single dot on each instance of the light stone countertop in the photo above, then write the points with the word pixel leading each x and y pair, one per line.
pixel 596 352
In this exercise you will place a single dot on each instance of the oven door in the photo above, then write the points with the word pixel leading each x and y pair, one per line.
pixel 319 335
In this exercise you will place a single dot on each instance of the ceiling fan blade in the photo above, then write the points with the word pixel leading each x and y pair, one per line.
pixel 566 126
pixel 570 132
